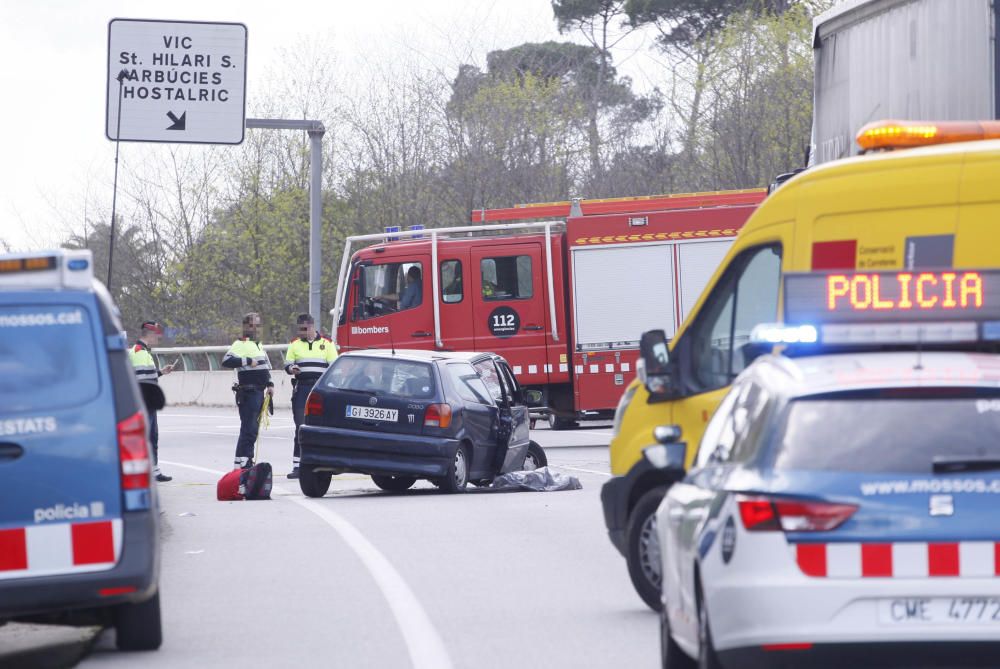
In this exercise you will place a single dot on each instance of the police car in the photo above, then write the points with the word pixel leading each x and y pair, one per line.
pixel 842 506
pixel 78 519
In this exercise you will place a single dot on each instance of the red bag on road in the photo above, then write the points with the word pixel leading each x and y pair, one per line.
pixel 228 488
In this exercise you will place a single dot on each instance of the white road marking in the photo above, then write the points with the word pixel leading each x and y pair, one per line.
pixel 223 434
pixel 580 469
pixel 427 650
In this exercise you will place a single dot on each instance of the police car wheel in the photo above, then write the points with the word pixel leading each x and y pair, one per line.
pixel 394 483
pixel 671 655
pixel 535 458
pixel 137 626
pixel 707 657
pixel 643 548
pixel 313 483
pixel 458 472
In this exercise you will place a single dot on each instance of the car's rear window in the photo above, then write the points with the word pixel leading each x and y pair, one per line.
pixel 382 376
pixel 48 358
pixel 887 435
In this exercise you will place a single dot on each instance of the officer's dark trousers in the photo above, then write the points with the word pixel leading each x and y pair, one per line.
pixel 154 436
pixel 250 402
pixel 299 396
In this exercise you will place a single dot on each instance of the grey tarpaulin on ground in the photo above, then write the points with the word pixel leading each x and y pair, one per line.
pixel 536 480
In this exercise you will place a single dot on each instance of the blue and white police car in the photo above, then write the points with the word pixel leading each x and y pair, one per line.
pixel 843 508
pixel 78 516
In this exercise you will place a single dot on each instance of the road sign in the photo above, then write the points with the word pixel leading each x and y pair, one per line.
pixel 176 81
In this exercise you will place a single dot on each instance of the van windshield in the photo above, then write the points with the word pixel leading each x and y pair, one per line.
pixel 47 358
pixel 380 376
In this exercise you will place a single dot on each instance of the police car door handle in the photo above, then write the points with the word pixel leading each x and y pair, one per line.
pixel 420 333
pixel 533 327
pixel 10 451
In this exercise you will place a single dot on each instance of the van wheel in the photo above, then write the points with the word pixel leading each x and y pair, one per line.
pixel 535 458
pixel 557 423
pixel 643 548
pixel 394 483
pixel 312 482
pixel 458 472
pixel 137 626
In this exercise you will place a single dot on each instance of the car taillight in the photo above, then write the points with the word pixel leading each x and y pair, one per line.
pixel 134 452
pixel 314 405
pixel 437 415
pixel 763 514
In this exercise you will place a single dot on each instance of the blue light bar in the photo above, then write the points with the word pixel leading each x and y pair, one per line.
pixel 392 228
pixel 779 333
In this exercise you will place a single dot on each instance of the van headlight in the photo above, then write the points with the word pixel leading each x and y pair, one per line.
pixel 621 408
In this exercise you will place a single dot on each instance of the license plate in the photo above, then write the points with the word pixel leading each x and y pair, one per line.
pixel 372 413
pixel 940 611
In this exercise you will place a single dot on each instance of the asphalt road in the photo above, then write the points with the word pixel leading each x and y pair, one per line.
pixel 364 578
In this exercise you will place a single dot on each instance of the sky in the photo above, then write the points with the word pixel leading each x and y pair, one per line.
pixel 53 60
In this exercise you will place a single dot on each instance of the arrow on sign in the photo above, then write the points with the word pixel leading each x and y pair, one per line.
pixel 178 122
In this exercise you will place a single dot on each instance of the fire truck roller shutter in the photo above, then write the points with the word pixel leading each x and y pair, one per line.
pixel 614 301
pixel 698 261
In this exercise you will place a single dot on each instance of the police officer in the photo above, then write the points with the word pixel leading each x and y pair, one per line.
pixel 253 373
pixel 306 359
pixel 147 370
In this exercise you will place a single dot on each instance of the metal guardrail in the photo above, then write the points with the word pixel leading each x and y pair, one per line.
pixel 209 358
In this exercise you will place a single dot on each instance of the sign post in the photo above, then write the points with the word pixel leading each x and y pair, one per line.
pixel 182 81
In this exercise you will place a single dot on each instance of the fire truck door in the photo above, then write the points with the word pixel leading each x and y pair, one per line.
pixel 391 305
pixel 509 306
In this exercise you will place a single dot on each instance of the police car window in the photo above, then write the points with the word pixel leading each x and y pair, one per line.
pixel 887 435
pixel 745 296
pixel 39 369
pixel 718 432
pixel 391 287
pixel 488 373
pixel 413 380
pixel 749 418
pixel 506 278
pixel 468 384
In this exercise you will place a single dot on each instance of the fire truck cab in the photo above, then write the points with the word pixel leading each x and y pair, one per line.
pixel 562 297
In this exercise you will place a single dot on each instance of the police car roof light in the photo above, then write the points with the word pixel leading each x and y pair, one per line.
pixel 779 333
pixel 47 270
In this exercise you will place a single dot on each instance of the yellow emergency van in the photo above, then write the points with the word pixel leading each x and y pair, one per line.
pixel 911 212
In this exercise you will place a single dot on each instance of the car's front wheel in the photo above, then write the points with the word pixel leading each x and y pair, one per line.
pixel 312 482
pixel 137 626
pixel 394 483
pixel 458 472
pixel 535 458
pixel 643 548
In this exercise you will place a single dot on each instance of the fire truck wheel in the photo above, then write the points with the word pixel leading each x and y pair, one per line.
pixel 394 483
pixel 559 423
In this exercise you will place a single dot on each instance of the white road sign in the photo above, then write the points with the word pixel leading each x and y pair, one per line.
pixel 176 81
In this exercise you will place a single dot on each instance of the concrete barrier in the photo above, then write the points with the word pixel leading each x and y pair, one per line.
pixel 214 389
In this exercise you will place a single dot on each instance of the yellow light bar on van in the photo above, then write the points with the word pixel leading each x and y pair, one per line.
pixel 909 134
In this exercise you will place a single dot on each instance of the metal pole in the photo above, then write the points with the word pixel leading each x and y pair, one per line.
pixel 315 221
pixel 114 191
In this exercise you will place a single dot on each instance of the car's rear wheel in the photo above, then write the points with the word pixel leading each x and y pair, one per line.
pixel 312 482
pixel 707 657
pixel 394 483
pixel 643 548
pixel 535 458
pixel 458 472
pixel 671 655
pixel 137 626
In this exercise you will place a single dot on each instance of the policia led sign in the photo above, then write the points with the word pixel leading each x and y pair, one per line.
pixel 854 297
pixel 176 81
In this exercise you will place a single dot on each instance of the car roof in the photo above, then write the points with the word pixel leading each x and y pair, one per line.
pixel 417 355
pixel 821 374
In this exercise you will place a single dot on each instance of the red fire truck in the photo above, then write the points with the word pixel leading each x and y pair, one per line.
pixel 564 297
